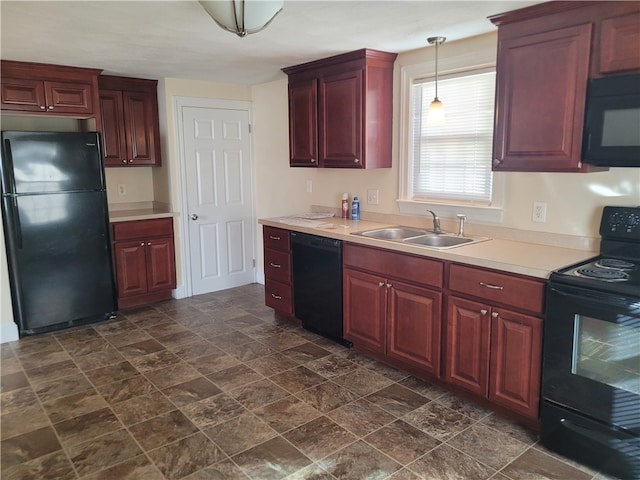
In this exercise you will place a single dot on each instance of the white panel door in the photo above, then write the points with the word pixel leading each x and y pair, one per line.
pixel 219 197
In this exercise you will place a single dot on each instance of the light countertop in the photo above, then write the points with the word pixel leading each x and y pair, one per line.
pixel 128 215
pixel 534 260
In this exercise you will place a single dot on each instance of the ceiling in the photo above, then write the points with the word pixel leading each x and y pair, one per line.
pixel 156 39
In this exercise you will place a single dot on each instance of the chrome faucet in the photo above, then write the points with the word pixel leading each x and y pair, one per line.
pixel 436 222
pixel 461 218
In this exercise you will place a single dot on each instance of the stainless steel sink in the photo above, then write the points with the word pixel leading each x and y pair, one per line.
pixel 392 233
pixel 439 241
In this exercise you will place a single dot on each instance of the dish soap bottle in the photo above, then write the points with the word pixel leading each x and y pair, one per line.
pixel 355 208
pixel 345 205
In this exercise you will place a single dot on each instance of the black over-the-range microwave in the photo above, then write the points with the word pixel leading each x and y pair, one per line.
pixel 611 136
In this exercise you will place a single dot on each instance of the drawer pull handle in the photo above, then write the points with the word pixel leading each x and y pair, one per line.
pixel 274 265
pixel 483 312
pixel 277 297
pixel 274 238
pixel 494 287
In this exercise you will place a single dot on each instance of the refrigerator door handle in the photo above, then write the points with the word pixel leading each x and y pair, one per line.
pixel 16 227
pixel 10 179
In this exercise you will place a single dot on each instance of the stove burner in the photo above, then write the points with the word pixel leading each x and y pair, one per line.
pixel 615 263
pixel 604 274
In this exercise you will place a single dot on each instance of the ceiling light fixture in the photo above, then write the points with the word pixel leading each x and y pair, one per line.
pixel 242 17
pixel 435 116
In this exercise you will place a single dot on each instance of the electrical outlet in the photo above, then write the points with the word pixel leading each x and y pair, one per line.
pixel 373 196
pixel 122 189
pixel 309 186
pixel 539 214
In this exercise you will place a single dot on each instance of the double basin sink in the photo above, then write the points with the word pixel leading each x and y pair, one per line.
pixel 417 236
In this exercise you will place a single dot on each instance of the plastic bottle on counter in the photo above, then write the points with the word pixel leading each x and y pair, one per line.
pixel 345 205
pixel 355 208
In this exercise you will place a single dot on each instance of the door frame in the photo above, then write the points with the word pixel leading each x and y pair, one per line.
pixel 179 103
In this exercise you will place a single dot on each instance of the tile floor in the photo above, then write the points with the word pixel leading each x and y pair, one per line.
pixel 213 387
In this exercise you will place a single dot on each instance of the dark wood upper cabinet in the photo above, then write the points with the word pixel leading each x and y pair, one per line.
pixel 340 111
pixel 129 113
pixel 546 55
pixel 52 90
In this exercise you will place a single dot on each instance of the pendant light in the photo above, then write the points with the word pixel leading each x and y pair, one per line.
pixel 435 116
pixel 242 17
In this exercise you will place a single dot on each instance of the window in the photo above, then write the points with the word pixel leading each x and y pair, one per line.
pixel 453 161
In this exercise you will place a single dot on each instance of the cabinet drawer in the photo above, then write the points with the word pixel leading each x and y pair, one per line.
pixel 278 296
pixel 400 265
pixel 276 239
pixel 277 266
pixel 156 227
pixel 497 287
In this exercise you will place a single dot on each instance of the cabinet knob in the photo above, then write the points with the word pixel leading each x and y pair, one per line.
pixel 124 161
pixel 42 107
pixel 494 315
pixel 131 160
pixel 381 284
pixel 483 312
pixel 194 217
pixel 313 160
pixel 356 160
pixel 50 107
pixel 142 244
pixel 149 243
pixel 389 285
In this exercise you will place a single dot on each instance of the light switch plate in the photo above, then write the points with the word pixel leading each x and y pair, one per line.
pixel 373 196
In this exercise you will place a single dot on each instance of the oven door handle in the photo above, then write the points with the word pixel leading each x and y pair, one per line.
pixel 583 295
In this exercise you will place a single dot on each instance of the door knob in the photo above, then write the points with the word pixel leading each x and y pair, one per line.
pixel 194 217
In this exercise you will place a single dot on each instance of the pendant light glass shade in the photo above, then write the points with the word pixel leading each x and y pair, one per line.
pixel 242 17
pixel 436 115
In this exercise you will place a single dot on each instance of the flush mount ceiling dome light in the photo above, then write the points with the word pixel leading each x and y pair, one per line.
pixel 242 17
pixel 436 116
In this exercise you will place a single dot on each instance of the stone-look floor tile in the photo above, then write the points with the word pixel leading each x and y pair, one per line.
pixel 41 359
pixel 438 421
pixel 283 340
pixel 213 410
pixel 186 456
pixel 76 336
pixel 139 349
pixel 258 394
pixel 272 364
pixel 166 329
pixel 401 441
pixel 263 330
pixel 141 408
pixel 22 421
pixel 173 375
pixel 63 408
pixel 62 387
pixel 191 391
pixel 496 453
pixel 16 400
pixel 445 463
pixel 271 460
pixel 137 468
pixel 213 362
pixel 297 379
pixel 573 463
pixel 305 352
pixel 240 433
pixel 248 351
pixel 50 372
pixel 331 345
pixel 332 366
pixel 327 396
pixel 163 429
pixel 405 474
pixel 463 406
pixel 84 427
pixel 155 324
pixel 536 465
pixel 499 476
pixel 78 348
pixel 358 358
pixel 113 327
pixel 37 344
pixel 425 389
pixel 198 347
pixel 389 372
pixel 127 338
pixel 209 330
pixel 362 381
pixel 54 466
pixel 358 461
pixel 319 438
pixel 107 356
pixel 177 341
pixel 312 472
pixel 10 365
pixel 234 377
pixel 13 381
pixel 111 373
pixel 244 321
pixel 125 389
pixel 155 360
pixel 223 470
pixel 361 417
pixel 27 446
pixel 102 452
pixel 397 399
pixel 231 338
pixel 512 429
pixel 287 413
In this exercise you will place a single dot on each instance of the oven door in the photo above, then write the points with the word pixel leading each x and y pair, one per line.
pixel 591 359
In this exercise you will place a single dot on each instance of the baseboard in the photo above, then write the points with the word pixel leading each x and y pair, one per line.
pixel 8 332
pixel 260 278
pixel 179 292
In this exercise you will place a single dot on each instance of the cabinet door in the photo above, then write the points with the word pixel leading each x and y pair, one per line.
pixel 161 264
pixel 131 267
pixel 467 344
pixel 140 120
pixel 414 326
pixel 340 133
pixel 303 123
pixel 540 99
pixel 23 95
pixel 114 146
pixel 516 346
pixel 620 43
pixel 66 97
pixel 365 309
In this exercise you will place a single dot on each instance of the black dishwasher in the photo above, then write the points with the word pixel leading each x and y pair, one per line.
pixel 317 284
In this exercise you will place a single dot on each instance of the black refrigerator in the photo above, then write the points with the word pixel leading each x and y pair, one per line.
pixel 56 227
